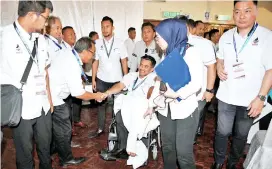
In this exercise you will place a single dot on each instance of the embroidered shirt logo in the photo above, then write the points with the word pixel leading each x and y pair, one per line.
pixel 255 42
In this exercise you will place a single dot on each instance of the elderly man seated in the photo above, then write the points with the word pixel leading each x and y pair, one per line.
pixel 132 106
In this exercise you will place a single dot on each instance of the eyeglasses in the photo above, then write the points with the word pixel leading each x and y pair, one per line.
pixel 90 51
pixel 45 18
pixel 146 50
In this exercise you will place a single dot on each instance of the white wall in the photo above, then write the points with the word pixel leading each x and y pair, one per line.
pixel 85 16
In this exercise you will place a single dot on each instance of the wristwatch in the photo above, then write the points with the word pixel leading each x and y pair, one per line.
pixel 210 91
pixel 261 97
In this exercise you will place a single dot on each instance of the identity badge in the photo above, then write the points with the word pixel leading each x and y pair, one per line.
pixel 40 87
pixel 238 70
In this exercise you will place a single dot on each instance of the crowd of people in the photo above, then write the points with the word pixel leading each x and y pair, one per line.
pixel 64 68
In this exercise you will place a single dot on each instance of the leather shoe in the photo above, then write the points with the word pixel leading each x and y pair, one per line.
pixel 74 161
pixel 80 124
pixel 112 156
pixel 122 154
pixel 217 166
pixel 95 134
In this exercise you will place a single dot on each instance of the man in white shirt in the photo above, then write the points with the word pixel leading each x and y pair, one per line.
pixel 64 84
pixel 138 85
pixel 204 47
pixel 145 46
pixel 130 44
pixel 199 28
pixel 54 36
pixel 108 68
pixel 214 37
pixel 69 40
pixel 17 46
pixel 244 67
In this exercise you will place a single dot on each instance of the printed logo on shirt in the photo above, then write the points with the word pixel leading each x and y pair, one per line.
pixel 101 47
pixel 133 54
pixel 18 49
pixel 255 42
pixel 152 51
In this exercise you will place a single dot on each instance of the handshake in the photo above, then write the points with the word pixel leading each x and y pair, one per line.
pixel 99 97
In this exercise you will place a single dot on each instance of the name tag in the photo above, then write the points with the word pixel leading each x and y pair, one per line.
pixel 238 70
pixel 40 87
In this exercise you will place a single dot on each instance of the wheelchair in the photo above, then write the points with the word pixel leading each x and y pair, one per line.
pixel 152 141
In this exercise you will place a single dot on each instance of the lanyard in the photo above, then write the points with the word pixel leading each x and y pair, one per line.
pixel 28 50
pixel 108 52
pixel 54 42
pixel 246 42
pixel 135 87
pixel 82 71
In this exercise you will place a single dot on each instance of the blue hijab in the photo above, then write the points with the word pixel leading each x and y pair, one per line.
pixel 174 32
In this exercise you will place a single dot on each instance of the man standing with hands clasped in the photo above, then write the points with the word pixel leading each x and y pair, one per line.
pixel 245 70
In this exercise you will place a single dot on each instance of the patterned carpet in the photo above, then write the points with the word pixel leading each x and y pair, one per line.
pixel 90 147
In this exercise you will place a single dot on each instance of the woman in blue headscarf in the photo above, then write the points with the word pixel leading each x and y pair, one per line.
pixel 179 119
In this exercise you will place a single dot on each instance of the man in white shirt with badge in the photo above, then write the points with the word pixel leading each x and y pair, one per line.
pixel 204 47
pixel 19 41
pixel 54 36
pixel 64 84
pixel 145 46
pixel 245 70
pixel 130 44
pixel 108 68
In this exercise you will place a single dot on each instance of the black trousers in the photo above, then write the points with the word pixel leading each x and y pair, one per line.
pixel 62 131
pixel 75 106
pixel 41 129
pixel 102 86
pixel 122 133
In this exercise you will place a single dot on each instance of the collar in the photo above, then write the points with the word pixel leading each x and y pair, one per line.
pixel 67 45
pixel 109 41
pixel 151 46
pixel 54 39
pixel 236 32
pixel 25 34
pixel 77 55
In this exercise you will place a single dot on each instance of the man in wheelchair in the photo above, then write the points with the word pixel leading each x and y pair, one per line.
pixel 127 105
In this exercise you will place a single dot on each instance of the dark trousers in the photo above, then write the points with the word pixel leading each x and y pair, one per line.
pixel 62 130
pixel 41 129
pixel 122 133
pixel 102 86
pixel 202 115
pixel 177 140
pixel 75 106
pixel 230 116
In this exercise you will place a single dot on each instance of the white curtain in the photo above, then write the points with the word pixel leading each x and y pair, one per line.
pixel 86 16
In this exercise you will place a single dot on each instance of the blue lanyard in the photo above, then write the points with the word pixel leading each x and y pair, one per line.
pixel 246 42
pixel 135 87
pixel 82 71
pixel 53 42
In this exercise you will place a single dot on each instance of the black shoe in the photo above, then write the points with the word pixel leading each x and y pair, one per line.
pixel 74 161
pixel 95 134
pixel 122 154
pixel 217 166
pixel 231 166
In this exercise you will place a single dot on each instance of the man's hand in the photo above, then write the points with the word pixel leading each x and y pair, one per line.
pixel 170 93
pixel 207 96
pixel 149 112
pixel 94 85
pixel 99 96
pixel 222 74
pixel 255 107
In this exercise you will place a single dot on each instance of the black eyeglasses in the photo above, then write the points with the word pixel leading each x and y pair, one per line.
pixel 146 50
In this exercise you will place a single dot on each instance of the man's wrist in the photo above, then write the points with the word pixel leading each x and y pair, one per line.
pixel 210 90
pixel 261 97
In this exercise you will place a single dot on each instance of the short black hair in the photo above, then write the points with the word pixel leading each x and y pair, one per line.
pixel 92 33
pixel 198 22
pixel 255 2
pixel 131 29
pixel 83 43
pixel 150 58
pixel 212 32
pixel 33 6
pixel 66 27
pixel 148 24
pixel 106 18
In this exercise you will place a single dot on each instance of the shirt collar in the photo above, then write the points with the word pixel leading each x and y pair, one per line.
pixel 67 45
pixel 152 45
pixel 109 41
pixel 25 34
pixel 77 55
pixel 54 39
